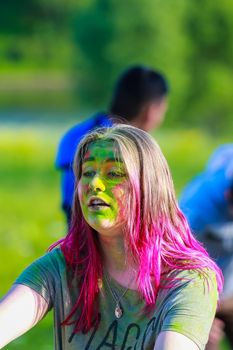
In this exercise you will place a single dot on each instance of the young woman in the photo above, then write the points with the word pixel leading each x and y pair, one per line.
pixel 129 274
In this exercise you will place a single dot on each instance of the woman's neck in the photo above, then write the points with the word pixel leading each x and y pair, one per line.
pixel 114 253
pixel 116 263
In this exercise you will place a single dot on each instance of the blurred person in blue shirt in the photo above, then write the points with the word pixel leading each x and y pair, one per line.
pixel 139 98
pixel 207 202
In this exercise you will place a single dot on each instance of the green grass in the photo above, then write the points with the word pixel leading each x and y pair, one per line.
pixel 30 214
pixel 29 211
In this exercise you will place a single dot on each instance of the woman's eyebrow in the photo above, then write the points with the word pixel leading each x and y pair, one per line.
pixel 108 160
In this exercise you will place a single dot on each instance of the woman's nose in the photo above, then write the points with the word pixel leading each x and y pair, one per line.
pixel 97 184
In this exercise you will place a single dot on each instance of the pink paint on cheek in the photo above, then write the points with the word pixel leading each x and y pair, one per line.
pixel 120 190
pixel 82 190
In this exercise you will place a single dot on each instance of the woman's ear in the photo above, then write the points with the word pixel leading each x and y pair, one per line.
pixel 153 114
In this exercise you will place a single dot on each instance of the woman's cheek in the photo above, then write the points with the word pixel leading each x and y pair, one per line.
pixel 82 191
pixel 120 191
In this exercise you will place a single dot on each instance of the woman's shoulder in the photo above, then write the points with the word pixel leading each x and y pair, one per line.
pixel 53 259
pixel 52 263
pixel 55 254
pixel 194 290
pixel 45 274
pixel 187 302
pixel 51 256
pixel 202 279
pixel 197 273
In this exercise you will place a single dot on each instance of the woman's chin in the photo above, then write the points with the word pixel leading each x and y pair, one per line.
pixel 108 229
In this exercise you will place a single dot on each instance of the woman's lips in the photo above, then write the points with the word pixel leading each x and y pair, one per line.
pixel 96 202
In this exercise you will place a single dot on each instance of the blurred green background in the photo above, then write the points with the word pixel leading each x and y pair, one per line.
pixel 59 60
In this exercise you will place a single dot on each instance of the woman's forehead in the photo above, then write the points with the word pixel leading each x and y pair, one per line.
pixel 102 150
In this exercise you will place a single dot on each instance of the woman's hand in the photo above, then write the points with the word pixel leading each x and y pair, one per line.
pixel 20 310
pixel 174 341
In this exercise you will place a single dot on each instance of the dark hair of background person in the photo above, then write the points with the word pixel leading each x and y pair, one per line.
pixel 136 87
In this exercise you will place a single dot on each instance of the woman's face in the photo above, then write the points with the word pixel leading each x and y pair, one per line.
pixel 102 188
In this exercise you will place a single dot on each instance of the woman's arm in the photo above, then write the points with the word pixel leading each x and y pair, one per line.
pixel 20 310
pixel 169 340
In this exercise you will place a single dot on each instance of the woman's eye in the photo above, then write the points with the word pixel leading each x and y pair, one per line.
pixel 115 174
pixel 88 173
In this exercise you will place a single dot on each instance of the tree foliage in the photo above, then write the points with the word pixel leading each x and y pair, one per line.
pixel 190 41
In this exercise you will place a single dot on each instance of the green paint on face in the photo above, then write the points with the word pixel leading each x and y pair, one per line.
pixel 102 187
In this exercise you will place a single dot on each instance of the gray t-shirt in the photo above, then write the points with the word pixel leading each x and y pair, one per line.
pixel 188 307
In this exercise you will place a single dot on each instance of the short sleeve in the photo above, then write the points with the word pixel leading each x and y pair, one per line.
pixel 43 275
pixel 190 307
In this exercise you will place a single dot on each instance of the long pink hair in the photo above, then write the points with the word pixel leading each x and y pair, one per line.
pixel 157 235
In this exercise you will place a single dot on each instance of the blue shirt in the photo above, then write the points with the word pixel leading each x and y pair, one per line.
pixel 204 200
